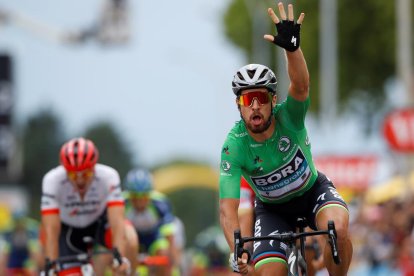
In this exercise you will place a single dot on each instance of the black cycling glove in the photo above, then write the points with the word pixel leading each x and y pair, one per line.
pixel 288 35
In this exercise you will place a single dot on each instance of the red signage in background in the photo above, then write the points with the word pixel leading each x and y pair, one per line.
pixel 399 130
pixel 351 172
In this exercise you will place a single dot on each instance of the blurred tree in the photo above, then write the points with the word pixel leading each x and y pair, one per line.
pixel 367 51
pixel 113 151
pixel 366 39
pixel 202 214
pixel 42 138
pixel 238 26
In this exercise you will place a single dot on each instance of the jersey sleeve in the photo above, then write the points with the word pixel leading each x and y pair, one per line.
pixel 49 201
pixel 230 170
pixel 294 112
pixel 115 196
pixel 167 218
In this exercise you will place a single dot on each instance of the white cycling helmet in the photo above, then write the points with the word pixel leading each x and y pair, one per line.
pixel 254 76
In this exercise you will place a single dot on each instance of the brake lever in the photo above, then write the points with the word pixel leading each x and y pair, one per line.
pixel 238 247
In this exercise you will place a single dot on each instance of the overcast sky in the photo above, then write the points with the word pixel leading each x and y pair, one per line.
pixel 168 91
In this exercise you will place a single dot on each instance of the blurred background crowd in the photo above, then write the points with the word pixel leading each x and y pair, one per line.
pixel 149 83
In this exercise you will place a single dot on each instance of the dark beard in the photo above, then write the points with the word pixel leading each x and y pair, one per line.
pixel 259 129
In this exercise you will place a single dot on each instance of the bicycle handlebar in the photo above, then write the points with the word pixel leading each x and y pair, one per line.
pixel 289 237
pixel 117 255
pixel 83 258
pixel 332 242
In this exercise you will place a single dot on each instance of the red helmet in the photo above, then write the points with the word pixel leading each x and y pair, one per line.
pixel 78 154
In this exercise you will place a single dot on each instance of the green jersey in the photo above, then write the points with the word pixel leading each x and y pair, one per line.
pixel 277 169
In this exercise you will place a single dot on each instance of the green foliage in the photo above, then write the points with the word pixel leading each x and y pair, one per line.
pixel 202 213
pixel 113 151
pixel 366 43
pixel 367 46
pixel 42 139
pixel 237 25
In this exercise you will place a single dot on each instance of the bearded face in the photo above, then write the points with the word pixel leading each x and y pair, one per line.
pixel 256 109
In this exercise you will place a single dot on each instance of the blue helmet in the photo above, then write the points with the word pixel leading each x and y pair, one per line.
pixel 138 181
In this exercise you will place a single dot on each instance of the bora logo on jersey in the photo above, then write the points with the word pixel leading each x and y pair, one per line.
pixel 290 173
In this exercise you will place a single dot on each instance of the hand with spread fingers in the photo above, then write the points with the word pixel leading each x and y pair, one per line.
pixel 288 31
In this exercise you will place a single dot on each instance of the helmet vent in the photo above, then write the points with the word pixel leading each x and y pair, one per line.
pixel 240 76
pixel 75 158
pixel 264 72
pixel 67 159
pixel 251 73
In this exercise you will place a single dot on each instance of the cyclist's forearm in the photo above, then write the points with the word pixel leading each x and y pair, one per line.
pixel 117 224
pixel 298 74
pixel 51 226
pixel 119 239
pixel 172 250
pixel 51 250
pixel 229 219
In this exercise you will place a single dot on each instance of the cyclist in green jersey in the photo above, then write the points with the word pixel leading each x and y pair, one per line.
pixel 271 149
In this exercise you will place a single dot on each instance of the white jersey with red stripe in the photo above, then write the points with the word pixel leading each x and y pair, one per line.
pixel 60 197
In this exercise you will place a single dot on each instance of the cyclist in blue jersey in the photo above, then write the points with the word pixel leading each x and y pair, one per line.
pixel 271 149
pixel 150 213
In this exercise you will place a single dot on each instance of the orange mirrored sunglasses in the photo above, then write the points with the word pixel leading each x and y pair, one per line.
pixel 248 98
pixel 80 175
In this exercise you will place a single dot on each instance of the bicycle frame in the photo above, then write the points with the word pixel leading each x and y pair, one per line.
pixel 296 258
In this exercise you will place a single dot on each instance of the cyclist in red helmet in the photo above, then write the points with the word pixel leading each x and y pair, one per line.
pixel 78 154
pixel 82 198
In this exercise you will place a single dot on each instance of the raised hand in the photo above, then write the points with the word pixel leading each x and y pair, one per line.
pixel 288 31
